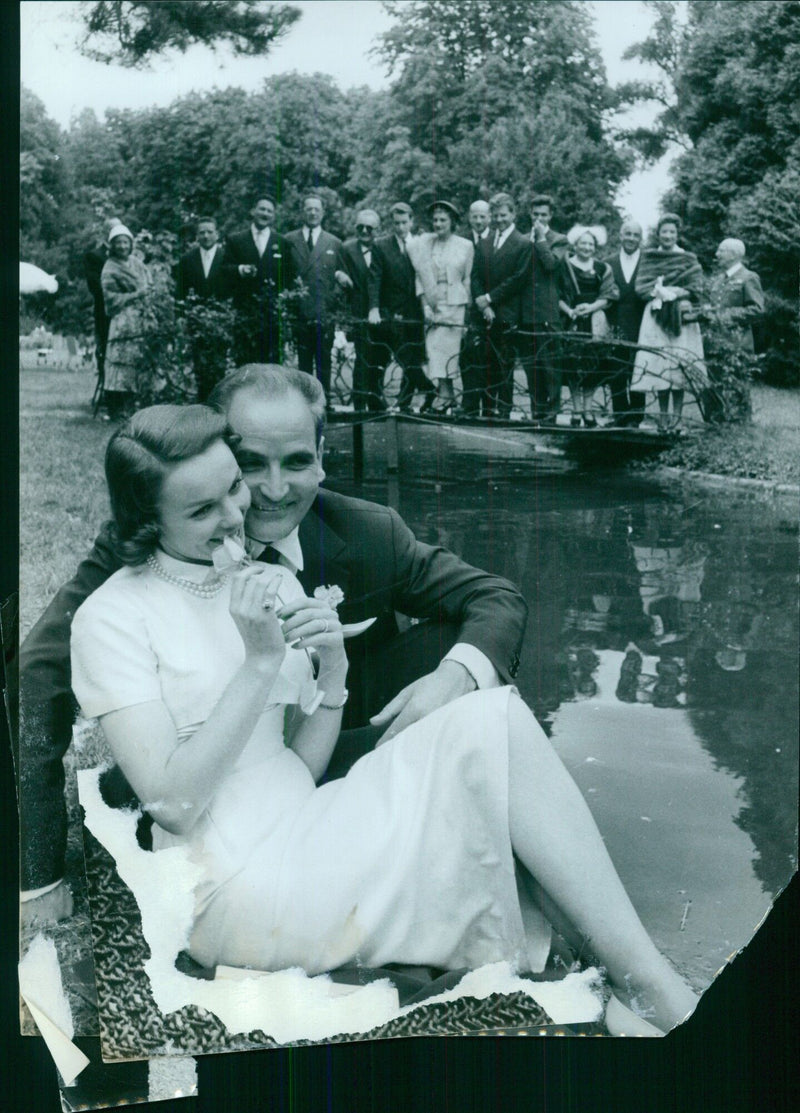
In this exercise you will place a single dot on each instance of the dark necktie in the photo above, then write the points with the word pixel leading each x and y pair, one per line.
pixel 270 556
pixel 310 242
pixel 367 255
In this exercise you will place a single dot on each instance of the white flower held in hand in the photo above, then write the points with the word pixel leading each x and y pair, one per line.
pixel 333 596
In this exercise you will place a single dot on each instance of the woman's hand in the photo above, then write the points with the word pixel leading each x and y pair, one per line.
pixel 252 608
pixel 313 624
pixel 582 310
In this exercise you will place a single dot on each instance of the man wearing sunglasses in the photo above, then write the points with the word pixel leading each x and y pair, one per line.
pixel 353 272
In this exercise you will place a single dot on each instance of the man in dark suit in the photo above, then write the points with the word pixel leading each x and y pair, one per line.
pixel 354 270
pixel 626 316
pixel 93 262
pixel 200 274
pixel 498 277
pixel 200 269
pixel 255 271
pixel 367 550
pixel 540 322
pixel 395 311
pixel 312 260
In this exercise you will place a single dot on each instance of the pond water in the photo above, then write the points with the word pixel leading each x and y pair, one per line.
pixel 661 656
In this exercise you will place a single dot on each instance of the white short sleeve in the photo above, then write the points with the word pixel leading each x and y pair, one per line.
pixel 113 663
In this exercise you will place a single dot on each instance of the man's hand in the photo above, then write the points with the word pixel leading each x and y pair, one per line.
pixel 448 682
pixel 488 314
pixel 374 316
pixel 52 906
pixel 344 279
pixel 482 301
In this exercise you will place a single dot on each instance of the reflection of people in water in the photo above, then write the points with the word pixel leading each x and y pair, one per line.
pixel 576 668
pixel 660 681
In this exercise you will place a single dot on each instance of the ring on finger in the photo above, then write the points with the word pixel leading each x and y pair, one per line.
pixel 325 628
pixel 268 604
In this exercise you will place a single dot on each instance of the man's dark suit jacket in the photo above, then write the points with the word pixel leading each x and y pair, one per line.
pixel 539 297
pixel 273 268
pixel 392 287
pixel 191 279
pixel 351 261
pixel 626 313
pixel 317 272
pixel 364 548
pixel 500 273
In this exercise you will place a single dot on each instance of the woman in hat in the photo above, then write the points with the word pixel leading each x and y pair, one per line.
pixel 124 280
pixel 586 287
pixel 443 264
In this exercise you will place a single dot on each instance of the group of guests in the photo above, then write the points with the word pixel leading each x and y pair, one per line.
pixel 445 306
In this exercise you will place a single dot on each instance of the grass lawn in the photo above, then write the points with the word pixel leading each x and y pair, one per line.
pixel 768 448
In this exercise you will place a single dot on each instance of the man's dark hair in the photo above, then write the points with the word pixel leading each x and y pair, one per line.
pixel 401 207
pixel 542 199
pixel 271 380
pixel 501 199
pixel 205 220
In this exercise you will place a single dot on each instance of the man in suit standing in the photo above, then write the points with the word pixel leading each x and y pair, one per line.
pixel 199 273
pixel 498 278
pixel 737 299
pixel 365 549
pixel 354 270
pixel 540 320
pixel 479 218
pixel 200 268
pixel 255 271
pixel 313 253
pixel 626 316
pixel 395 310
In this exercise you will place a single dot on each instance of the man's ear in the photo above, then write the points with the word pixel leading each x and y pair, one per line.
pixel 320 451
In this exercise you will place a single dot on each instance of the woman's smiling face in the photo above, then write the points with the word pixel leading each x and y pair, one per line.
pixel 203 500
pixel 585 246
pixel 668 235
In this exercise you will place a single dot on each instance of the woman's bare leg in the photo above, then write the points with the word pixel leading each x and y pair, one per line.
pixel 555 836
pixel 663 409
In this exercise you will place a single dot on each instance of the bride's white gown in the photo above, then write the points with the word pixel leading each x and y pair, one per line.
pixel 406 860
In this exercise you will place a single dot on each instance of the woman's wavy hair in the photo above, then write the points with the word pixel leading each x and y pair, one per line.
pixel 139 456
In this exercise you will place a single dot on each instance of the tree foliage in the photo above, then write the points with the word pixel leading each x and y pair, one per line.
pixel 731 90
pixel 133 32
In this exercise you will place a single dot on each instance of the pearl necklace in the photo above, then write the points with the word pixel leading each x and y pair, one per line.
pixel 202 591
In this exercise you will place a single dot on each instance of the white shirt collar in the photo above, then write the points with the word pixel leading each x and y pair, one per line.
pixel 731 271
pixel 314 233
pixel 288 547
pixel 628 262
pixel 260 235
pixel 503 236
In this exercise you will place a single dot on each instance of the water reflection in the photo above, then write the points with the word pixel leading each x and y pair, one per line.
pixel 661 655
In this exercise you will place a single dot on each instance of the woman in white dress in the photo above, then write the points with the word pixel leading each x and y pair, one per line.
pixel 670 356
pixel 443 263
pixel 204 687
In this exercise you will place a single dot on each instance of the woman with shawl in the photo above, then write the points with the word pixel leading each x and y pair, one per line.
pixel 124 281
pixel 670 355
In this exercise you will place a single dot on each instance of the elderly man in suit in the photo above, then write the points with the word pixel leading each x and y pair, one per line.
pixel 354 270
pixel 395 310
pixel 277 415
pixel 199 273
pixel 479 219
pixel 255 270
pixel 626 316
pixel 313 255
pixel 498 280
pixel 737 299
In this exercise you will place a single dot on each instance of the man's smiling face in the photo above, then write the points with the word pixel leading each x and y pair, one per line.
pixel 280 460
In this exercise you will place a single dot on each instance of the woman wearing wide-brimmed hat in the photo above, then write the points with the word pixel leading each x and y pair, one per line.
pixel 443 263
pixel 124 280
